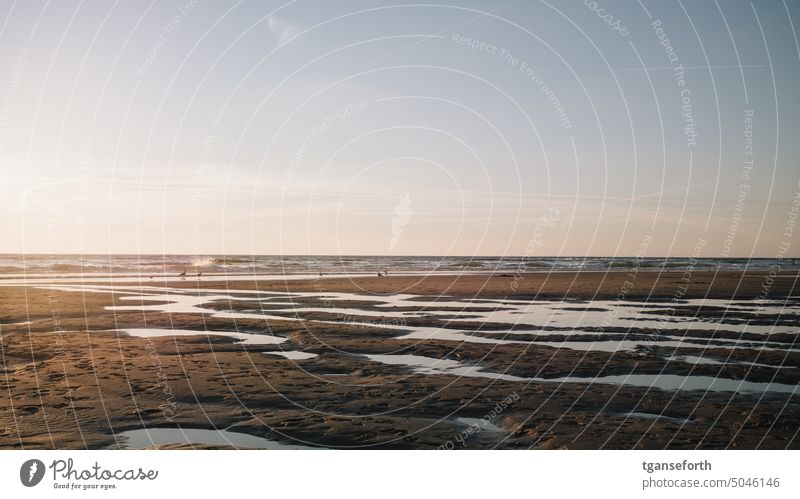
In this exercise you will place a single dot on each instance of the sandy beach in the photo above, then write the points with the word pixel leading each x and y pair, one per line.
pixel 406 361
pixel 420 227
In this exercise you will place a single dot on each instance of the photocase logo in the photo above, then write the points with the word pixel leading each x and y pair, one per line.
pixel 402 214
pixel 31 472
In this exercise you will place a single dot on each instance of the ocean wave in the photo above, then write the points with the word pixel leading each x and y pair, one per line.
pixel 271 264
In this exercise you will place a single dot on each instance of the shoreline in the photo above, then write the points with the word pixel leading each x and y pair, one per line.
pixel 657 283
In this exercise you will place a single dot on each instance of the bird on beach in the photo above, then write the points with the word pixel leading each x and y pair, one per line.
pixel 182 274
pixel 380 274
pixel 320 274
pixel 199 274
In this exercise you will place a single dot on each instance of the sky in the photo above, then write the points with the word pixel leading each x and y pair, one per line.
pixel 581 128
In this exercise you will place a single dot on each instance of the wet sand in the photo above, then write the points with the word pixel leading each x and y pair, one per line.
pixel 552 285
pixel 70 380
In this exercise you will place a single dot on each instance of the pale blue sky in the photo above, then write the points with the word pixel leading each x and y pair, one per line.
pixel 371 127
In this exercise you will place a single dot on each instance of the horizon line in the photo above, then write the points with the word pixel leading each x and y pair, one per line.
pixel 729 257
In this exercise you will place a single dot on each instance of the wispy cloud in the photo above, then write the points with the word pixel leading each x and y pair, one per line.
pixel 282 30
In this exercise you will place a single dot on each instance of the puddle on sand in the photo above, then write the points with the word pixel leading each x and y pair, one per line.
pixel 176 303
pixel 482 424
pixel 669 382
pixel 692 359
pixel 657 417
pixel 244 338
pixel 536 314
pixel 673 382
pixel 596 313
pixel 430 365
pixel 144 438
pixel 293 354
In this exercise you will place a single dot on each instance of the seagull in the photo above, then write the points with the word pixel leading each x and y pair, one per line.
pixel 380 275
pixel 182 274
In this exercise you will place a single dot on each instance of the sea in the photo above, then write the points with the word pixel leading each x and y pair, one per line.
pixel 26 264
